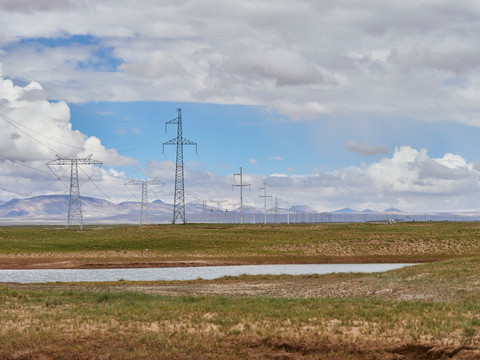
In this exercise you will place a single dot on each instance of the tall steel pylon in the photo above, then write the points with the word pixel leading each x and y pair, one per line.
pixel 74 201
pixel 144 207
pixel 179 197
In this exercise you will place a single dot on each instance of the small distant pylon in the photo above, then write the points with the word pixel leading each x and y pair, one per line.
pixel 241 186
pixel 179 197
pixel 218 210
pixel 276 210
pixel 74 201
pixel 144 207
pixel 264 196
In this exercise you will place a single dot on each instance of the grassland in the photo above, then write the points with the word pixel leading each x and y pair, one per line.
pixel 239 244
pixel 427 311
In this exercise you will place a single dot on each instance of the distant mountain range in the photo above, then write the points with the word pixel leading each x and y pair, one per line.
pixel 351 211
pixel 53 209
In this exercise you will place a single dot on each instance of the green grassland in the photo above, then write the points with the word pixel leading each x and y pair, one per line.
pixel 426 311
pixel 403 242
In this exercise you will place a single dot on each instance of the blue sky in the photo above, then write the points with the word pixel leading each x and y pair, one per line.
pixel 229 136
pixel 332 104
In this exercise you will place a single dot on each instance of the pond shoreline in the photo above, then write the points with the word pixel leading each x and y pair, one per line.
pixel 67 262
pixel 185 273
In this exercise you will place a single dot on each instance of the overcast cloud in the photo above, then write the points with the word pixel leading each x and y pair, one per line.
pixel 300 58
pixel 366 149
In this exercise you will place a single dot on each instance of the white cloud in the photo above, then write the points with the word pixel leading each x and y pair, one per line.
pixel 283 66
pixel 409 180
pixel 253 161
pixel 302 111
pixel 417 59
pixel 275 158
pixel 120 130
pixel 157 65
pixel 30 6
pixel 366 149
pixel 33 130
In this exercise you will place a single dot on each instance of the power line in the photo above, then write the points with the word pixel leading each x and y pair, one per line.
pixel 14 192
pixel 23 164
pixel 11 121
pixel 206 174
pixel 6 118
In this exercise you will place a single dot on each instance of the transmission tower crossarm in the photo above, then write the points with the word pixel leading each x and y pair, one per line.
pixel 140 182
pixel 173 121
pixel 182 141
pixel 60 160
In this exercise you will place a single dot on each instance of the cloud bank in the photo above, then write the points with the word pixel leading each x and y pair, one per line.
pixel 304 58
pixel 409 180
pixel 33 131
pixel 366 149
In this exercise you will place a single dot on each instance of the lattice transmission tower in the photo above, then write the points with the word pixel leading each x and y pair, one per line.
pixel 179 196
pixel 264 196
pixel 144 207
pixel 241 186
pixel 74 201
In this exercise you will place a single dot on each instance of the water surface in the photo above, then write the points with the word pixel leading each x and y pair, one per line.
pixel 184 273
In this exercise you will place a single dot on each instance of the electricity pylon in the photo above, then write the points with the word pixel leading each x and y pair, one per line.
pixel 144 208
pixel 74 202
pixel 179 197
pixel 218 210
pixel 264 196
pixel 276 211
pixel 242 185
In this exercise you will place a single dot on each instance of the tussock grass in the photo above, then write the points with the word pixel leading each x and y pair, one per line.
pixel 129 324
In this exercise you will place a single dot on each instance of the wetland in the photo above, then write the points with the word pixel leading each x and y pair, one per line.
pixel 426 311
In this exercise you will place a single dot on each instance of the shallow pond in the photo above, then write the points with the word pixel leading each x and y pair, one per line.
pixel 184 273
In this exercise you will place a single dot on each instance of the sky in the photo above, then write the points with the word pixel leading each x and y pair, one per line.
pixel 331 104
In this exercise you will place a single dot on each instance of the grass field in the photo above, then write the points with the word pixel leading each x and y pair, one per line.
pixel 403 242
pixel 427 311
